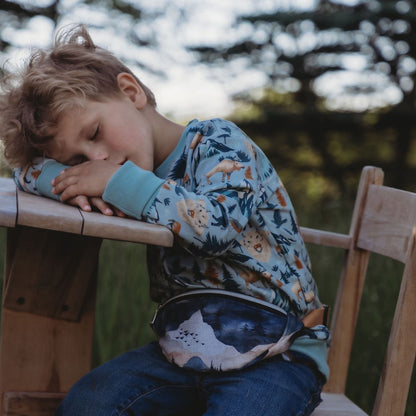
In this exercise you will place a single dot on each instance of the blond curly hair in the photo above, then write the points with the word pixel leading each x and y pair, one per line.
pixel 53 81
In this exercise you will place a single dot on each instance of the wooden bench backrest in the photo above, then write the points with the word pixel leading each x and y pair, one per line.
pixel 383 222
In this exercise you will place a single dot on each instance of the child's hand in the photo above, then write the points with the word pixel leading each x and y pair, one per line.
pixel 88 179
pixel 86 204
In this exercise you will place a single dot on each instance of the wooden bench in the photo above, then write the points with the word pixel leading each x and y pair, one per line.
pixel 383 222
pixel 49 295
pixel 50 278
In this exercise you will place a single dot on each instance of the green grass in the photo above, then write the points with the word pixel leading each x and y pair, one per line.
pixel 124 310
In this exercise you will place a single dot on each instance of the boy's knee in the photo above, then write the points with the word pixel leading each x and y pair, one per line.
pixel 84 399
pixel 74 405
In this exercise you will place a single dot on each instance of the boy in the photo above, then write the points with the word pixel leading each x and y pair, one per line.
pixel 235 286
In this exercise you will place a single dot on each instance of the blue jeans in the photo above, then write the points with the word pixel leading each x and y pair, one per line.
pixel 142 382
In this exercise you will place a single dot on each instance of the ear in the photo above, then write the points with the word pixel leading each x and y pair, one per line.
pixel 130 87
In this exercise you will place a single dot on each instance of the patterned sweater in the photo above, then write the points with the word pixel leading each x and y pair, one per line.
pixel 234 225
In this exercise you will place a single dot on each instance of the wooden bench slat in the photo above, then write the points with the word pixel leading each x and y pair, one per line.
pixel 396 374
pixel 125 229
pixel 44 354
pixel 8 203
pixel 386 224
pixel 34 211
pixel 325 238
pixel 337 405
pixel 350 286
pixel 38 212
pixel 49 273
pixel 33 403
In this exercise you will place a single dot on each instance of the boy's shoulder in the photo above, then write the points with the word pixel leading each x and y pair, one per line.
pixel 215 128
pixel 221 122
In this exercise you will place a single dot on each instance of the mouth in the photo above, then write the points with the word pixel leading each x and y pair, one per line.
pixel 122 163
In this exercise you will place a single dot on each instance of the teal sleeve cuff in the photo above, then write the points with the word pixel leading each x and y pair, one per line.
pixel 314 348
pixel 49 171
pixel 132 189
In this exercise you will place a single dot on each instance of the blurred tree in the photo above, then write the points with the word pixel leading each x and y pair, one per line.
pixel 339 90
pixel 116 20
pixel 340 87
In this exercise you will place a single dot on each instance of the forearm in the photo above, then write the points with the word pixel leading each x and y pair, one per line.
pixel 36 177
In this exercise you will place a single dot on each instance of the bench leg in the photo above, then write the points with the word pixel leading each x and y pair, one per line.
pixel 42 356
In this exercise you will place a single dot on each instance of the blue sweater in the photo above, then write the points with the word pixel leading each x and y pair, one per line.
pixel 234 225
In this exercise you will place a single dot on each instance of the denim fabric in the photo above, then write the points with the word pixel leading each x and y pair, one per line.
pixel 142 382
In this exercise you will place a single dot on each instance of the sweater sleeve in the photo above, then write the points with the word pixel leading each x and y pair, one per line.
pixel 211 204
pixel 131 188
pixel 36 177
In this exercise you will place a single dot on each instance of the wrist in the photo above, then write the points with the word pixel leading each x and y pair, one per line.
pixel 131 188
pixel 50 171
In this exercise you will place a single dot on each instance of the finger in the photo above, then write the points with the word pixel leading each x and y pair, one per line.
pixel 81 201
pixel 119 213
pixel 73 191
pixel 65 173
pixel 57 178
pixel 102 206
pixel 64 183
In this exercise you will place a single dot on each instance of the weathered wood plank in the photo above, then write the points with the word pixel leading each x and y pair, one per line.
pixel 49 272
pixel 8 203
pixel 39 212
pixel 393 387
pixel 30 403
pixel 325 238
pixel 38 353
pixel 125 229
pixel 337 405
pixel 347 303
pixel 387 222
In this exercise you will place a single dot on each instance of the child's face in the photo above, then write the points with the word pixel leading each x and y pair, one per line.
pixel 115 130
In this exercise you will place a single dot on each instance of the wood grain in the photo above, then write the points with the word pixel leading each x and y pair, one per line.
pixel 8 203
pixel 30 403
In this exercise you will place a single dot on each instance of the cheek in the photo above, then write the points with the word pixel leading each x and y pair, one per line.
pixel 119 138
pixel 122 132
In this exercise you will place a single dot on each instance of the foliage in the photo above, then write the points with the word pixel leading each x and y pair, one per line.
pixel 338 86
pixel 340 91
pixel 117 21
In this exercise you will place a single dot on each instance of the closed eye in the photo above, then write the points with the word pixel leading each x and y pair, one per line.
pixel 96 132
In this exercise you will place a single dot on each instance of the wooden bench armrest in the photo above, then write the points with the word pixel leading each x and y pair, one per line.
pixel 25 209
pixel 325 238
